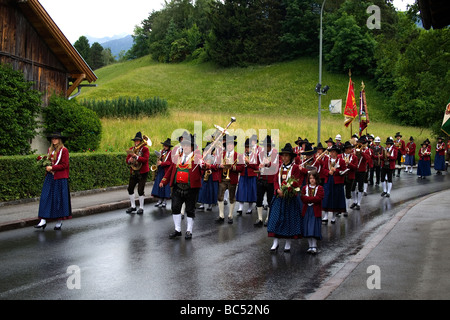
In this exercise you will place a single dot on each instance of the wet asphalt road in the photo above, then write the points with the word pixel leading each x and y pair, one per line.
pixel 122 256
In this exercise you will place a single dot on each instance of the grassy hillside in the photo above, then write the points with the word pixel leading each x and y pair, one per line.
pixel 279 96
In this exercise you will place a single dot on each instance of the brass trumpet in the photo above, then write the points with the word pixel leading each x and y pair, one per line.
pixel 158 158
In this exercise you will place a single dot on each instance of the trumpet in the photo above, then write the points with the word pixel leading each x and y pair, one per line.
pixel 158 158
pixel 325 153
pixel 226 173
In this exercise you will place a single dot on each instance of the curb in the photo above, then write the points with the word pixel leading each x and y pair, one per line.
pixel 76 213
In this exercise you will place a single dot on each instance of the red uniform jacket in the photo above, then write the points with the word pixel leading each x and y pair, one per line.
pixel 363 162
pixel 295 173
pixel 315 200
pixel 234 171
pixel 143 156
pixel 61 167
pixel 352 166
pixel 166 159
pixel 392 157
pixel 402 148
pixel 339 173
pixel 195 164
pixel 252 167
pixel 440 149
pixel 270 170
pixel 424 154
pixel 411 149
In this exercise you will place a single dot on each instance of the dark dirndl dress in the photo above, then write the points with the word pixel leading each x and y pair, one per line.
pixel 334 200
pixel 410 160
pixel 439 162
pixel 312 226
pixel 246 191
pixel 164 192
pixel 55 202
pixel 209 191
pixel 424 168
pixel 285 218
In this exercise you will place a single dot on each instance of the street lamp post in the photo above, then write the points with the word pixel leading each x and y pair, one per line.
pixel 319 85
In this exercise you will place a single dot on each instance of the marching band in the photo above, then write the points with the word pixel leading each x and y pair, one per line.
pixel 302 185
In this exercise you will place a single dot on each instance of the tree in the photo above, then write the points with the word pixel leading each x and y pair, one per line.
pixel 84 48
pixel 96 56
pixel 19 108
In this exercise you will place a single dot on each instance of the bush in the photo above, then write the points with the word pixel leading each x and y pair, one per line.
pixel 19 107
pixel 21 177
pixel 126 107
pixel 81 125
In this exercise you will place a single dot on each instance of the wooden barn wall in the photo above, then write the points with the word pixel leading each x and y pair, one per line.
pixel 22 47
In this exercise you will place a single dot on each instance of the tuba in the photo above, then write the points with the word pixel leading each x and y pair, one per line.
pixel 135 165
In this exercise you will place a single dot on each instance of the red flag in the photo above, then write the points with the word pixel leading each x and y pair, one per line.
pixel 350 111
pixel 363 114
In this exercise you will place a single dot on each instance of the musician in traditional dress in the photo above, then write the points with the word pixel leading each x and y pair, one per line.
pixel 184 176
pixel 361 172
pixel 339 143
pixel 424 164
pixel 312 196
pixel 54 203
pixel 246 190
pixel 377 152
pixel 284 219
pixel 137 159
pixel 163 163
pixel 329 143
pixel 210 184
pixel 229 171
pixel 320 159
pixel 351 161
pixel 268 168
pixel 439 157
pixel 298 146
pixel 410 155
pixel 388 167
pixel 399 143
pixel 334 200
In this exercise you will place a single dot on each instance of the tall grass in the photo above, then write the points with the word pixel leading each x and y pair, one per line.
pixel 117 133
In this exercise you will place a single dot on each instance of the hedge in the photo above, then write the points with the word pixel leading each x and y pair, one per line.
pixel 21 177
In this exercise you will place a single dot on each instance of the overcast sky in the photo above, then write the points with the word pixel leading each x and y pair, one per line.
pixel 107 18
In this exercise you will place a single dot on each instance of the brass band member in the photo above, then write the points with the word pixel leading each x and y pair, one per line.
pixel 388 167
pixel 361 172
pixel 424 165
pixel 185 178
pixel 228 177
pixel 163 163
pixel 246 190
pixel 401 150
pixel 377 153
pixel 268 167
pixel 351 161
pixel 139 157
pixel 410 155
pixel 439 157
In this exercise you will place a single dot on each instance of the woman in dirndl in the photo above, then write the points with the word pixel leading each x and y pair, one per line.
pixel 312 196
pixel 54 203
pixel 246 190
pixel 424 164
pixel 163 163
pixel 439 157
pixel 284 219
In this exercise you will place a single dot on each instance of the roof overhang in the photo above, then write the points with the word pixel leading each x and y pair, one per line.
pixel 57 42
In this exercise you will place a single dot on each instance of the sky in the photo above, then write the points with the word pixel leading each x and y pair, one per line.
pixel 107 18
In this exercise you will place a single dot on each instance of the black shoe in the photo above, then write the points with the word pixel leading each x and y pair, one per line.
pixel 274 249
pixel 265 223
pixel 220 220
pixel 249 212
pixel 130 210
pixel 353 205
pixel 258 223
pixel 209 209
pixel 239 212
pixel 174 234
pixel 140 211
pixel 41 226
pixel 230 220
pixel 387 195
pixel 357 207
pixel 383 194
pixel 325 221
pixel 57 228
pixel 188 235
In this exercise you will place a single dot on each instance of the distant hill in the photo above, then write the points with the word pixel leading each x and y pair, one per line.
pixel 116 43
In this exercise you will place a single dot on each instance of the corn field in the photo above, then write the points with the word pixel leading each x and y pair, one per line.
pixel 123 107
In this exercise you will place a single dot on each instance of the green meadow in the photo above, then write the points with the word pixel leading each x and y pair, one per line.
pixel 279 96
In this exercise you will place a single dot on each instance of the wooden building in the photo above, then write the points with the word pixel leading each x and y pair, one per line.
pixel 31 41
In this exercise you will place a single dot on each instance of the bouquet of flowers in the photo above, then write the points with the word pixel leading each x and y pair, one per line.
pixel 290 188
pixel 43 161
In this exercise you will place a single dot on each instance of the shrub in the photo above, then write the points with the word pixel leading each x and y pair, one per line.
pixel 19 105
pixel 21 177
pixel 81 125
